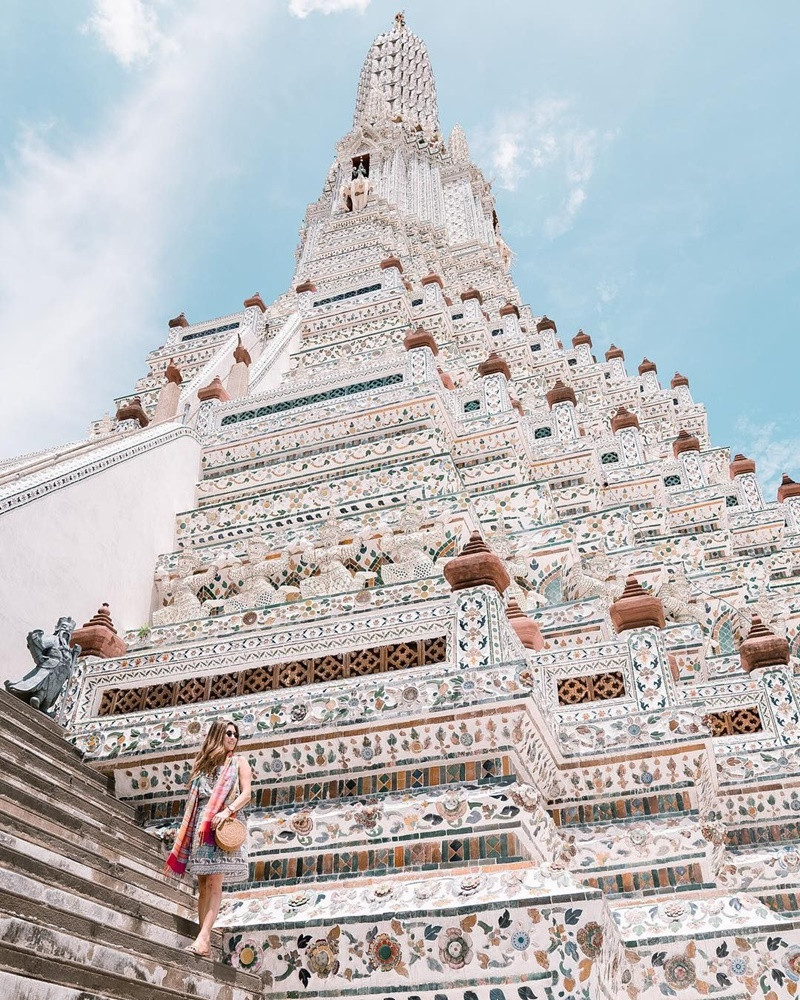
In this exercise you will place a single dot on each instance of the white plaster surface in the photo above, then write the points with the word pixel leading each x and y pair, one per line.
pixel 92 541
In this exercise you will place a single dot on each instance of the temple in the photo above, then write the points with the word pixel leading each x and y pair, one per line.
pixel 513 645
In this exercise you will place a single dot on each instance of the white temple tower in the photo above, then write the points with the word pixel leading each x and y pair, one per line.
pixel 513 645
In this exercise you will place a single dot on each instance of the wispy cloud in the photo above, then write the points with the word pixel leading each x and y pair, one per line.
pixel 545 135
pixel 129 29
pixel 84 234
pixel 774 449
pixel 302 8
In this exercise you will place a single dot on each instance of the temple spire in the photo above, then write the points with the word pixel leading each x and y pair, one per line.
pixel 398 68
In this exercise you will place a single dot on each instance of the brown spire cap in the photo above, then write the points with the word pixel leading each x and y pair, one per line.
pixel 391 262
pixel 635 608
pixel 518 407
pixel 678 379
pixel 445 379
pixel 173 373
pixel 684 442
pixel 472 293
pixel 180 320
pixel 545 323
pixel 647 366
pixel 214 390
pixel 560 393
pixel 493 364
pixel 257 301
pixel 623 418
pixel 614 352
pixel 447 300
pixel 581 338
pixel 133 411
pixel 306 286
pixel 420 338
pixel 788 488
pixel 509 309
pixel 241 355
pixel 527 630
pixel 476 566
pixel 741 465
pixel 432 279
pixel 762 648
pixel 98 637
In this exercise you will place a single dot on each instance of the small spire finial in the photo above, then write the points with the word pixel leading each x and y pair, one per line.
pixel 400 19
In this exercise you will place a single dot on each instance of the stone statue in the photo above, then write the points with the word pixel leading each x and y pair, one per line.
pixel 407 543
pixel 258 574
pixel 675 593
pixel 328 557
pixel 518 567
pixel 354 194
pixel 182 586
pixel 54 663
pixel 591 576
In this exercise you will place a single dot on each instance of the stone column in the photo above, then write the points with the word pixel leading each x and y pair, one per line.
pixel 473 300
pixel 582 343
pixel 615 357
pixel 509 314
pixel 432 291
pixel 625 426
pixel 422 350
pixel 210 397
pixel 561 400
pixel 680 386
pixel 392 273
pixel 548 334
pixel 305 297
pixel 743 472
pixel 649 375
pixel 239 377
pixel 167 405
pixel 478 578
pixel 641 614
pixel 789 496
pixel 495 373
pixel 686 448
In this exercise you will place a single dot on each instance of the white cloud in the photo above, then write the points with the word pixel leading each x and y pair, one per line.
pixel 302 8
pixel 127 28
pixel 545 136
pixel 85 234
pixel 774 450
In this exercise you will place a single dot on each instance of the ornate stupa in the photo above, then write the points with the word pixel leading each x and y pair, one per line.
pixel 479 602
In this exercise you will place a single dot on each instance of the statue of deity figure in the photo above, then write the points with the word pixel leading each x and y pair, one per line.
pixel 327 556
pixel 512 553
pixel 674 590
pixel 354 194
pixel 54 662
pixel 180 589
pixel 258 571
pixel 408 545
pixel 591 576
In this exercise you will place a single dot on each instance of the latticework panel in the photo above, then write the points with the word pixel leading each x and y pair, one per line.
pixel 596 687
pixel 293 673
pixel 735 722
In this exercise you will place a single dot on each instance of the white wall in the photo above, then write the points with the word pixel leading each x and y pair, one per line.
pixel 93 541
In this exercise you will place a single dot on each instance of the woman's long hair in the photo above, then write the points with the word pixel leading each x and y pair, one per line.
pixel 212 753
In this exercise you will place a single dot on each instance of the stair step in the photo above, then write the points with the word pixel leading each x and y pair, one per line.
pixel 54 962
pixel 72 937
pixel 13 987
pixel 72 888
pixel 140 886
pixel 34 721
pixel 16 741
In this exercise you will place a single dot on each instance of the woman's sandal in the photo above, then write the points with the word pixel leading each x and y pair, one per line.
pixel 195 951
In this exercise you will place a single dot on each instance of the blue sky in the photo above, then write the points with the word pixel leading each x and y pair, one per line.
pixel 158 156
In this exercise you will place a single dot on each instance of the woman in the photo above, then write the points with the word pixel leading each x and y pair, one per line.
pixel 220 786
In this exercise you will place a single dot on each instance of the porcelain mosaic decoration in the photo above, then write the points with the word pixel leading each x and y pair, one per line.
pixel 513 646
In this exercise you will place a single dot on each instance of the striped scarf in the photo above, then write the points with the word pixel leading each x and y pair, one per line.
pixel 196 829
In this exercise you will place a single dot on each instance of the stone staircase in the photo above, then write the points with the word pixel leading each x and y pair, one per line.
pixel 84 911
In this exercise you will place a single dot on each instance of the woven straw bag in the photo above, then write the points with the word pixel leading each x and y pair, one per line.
pixel 230 834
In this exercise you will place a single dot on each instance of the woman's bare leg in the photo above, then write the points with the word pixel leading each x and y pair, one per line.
pixel 213 898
